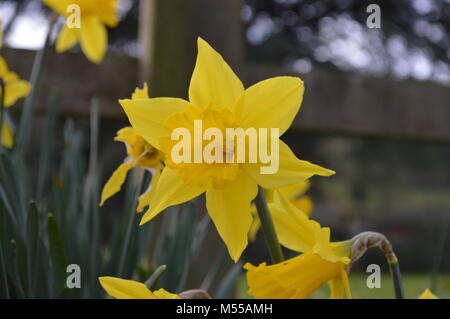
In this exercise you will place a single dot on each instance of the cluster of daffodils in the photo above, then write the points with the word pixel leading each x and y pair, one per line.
pixel 85 23
pixel 218 98
pixel 12 88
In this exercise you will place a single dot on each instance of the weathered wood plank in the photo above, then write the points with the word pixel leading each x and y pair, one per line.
pixel 337 102
pixel 78 80
pixel 334 102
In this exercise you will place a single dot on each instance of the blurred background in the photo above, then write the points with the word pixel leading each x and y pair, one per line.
pixel 376 107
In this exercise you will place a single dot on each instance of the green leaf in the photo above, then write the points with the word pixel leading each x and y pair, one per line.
pixel 228 283
pixel 47 141
pixel 32 245
pixel 57 254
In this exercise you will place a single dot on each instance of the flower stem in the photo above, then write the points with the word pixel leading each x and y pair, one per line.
pixel 396 275
pixel 268 228
pixel 150 283
pixel 366 240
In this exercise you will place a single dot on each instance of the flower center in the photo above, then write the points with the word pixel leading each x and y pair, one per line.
pixel 147 155
pixel 208 158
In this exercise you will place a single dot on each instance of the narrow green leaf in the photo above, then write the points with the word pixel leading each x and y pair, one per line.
pixel 32 245
pixel 4 286
pixel 228 283
pixel 57 254
pixel 47 143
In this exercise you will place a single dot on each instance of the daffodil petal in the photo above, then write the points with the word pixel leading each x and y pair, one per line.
pixel 164 294
pixel 295 278
pixel 295 190
pixel 60 6
pixel 427 294
pixel 125 134
pixel 229 209
pixel 7 137
pixel 170 190
pixel 66 39
pixel 213 82
pixel 254 228
pixel 107 12
pixel 93 38
pixel 291 170
pixel 16 90
pixel 144 199
pixel 115 181
pixel 305 204
pixel 295 230
pixel 3 67
pixel 125 289
pixel 324 249
pixel 340 286
pixel 141 93
pixel 272 103
pixel 147 116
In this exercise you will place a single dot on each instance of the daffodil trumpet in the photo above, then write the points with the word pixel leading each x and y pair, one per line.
pixel 209 146
pixel 321 261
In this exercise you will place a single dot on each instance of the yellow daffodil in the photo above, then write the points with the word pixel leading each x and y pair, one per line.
pixel 15 89
pixel 427 294
pixel 295 193
pixel 321 262
pixel 91 33
pixel 7 138
pixel 218 98
pixel 129 289
pixel 140 153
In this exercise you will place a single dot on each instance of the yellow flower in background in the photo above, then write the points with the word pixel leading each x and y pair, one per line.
pixel 295 193
pixel 218 98
pixel 129 289
pixel 321 262
pixel 7 138
pixel 140 153
pixel 427 294
pixel 15 89
pixel 91 33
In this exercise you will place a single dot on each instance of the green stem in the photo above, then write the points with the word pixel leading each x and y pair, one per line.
pixel 150 283
pixel 268 228
pixel 137 178
pixel 396 276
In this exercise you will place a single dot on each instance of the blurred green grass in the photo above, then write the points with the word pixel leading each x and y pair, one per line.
pixel 414 284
